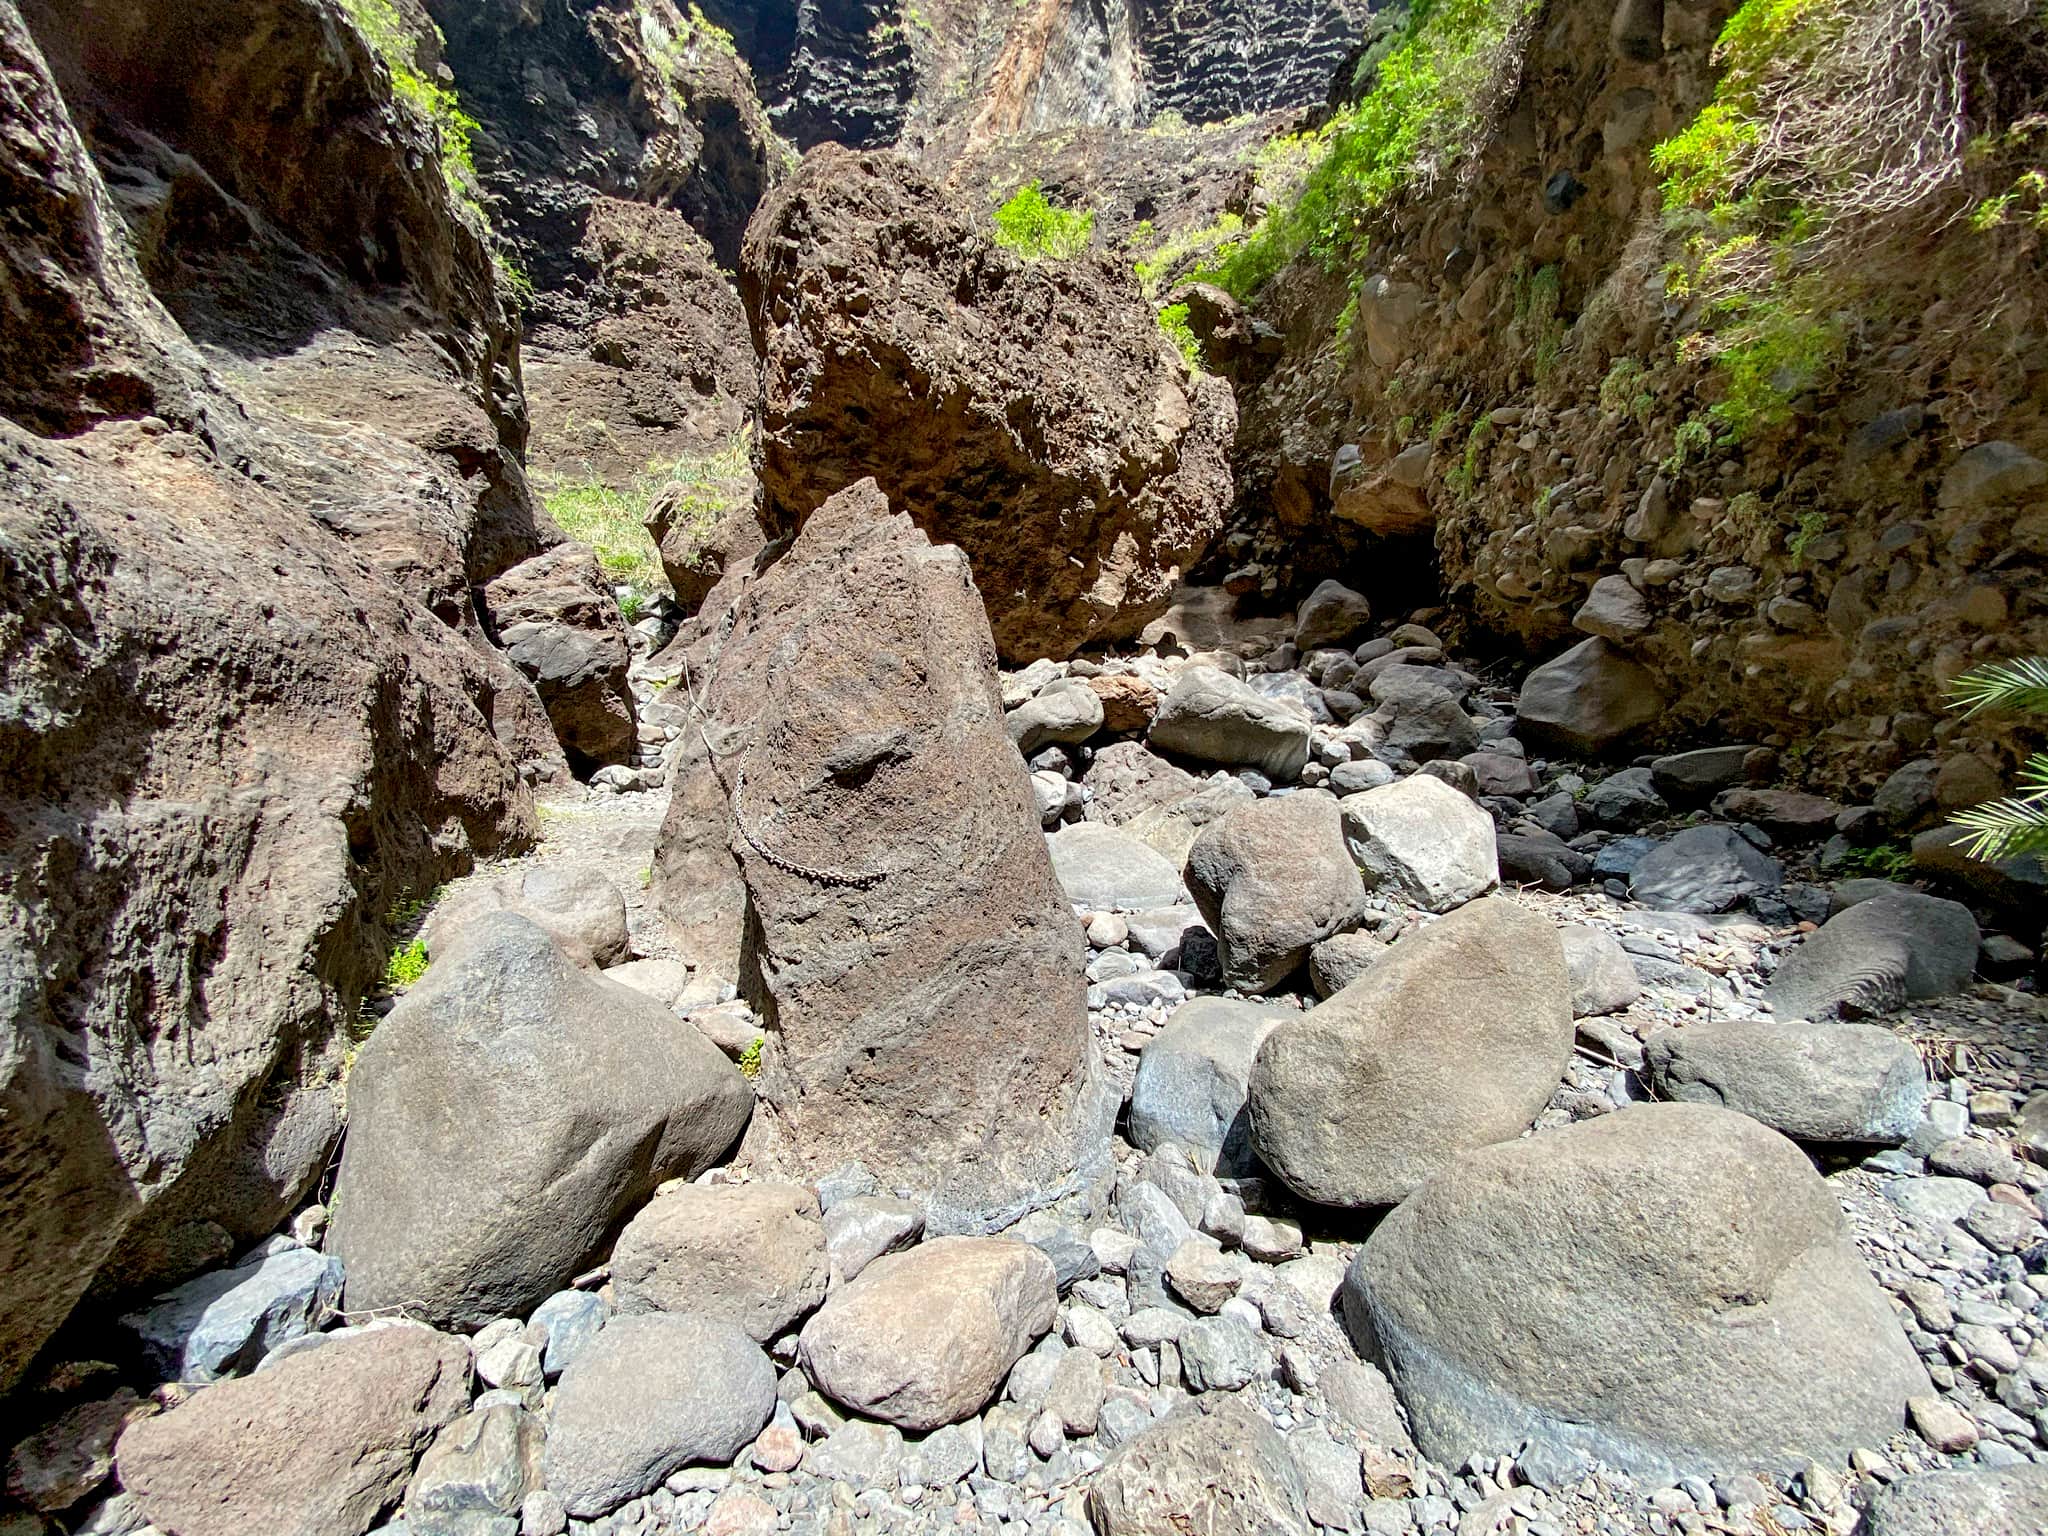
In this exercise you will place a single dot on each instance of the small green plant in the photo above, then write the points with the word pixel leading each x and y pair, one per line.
pixel 1039 230
pixel 750 1058
pixel 1174 321
pixel 632 604
pixel 645 876
pixel 1692 442
pixel 1812 524
pixel 408 963
pixel 2018 824
pixel 1622 391
pixel 1537 299
pixel 1464 476
pixel 1885 861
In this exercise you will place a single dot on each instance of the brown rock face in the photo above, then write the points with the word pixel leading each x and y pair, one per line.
pixel 260 437
pixel 1031 413
pixel 319 1445
pixel 915 961
pixel 560 627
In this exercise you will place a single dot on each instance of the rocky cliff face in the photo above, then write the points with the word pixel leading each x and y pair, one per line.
pixel 261 440
pixel 1508 387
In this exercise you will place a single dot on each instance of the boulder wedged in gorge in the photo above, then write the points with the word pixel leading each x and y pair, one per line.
pixel 1455 1039
pixel 915 962
pixel 504 1117
pixel 560 627
pixel 1666 1289
pixel 1032 413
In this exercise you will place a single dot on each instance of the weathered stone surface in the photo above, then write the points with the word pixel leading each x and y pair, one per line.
pixel 1062 713
pixel 1984 1501
pixel 1694 776
pixel 651 1394
pixel 1603 977
pixel 1614 609
pixel 1191 1082
pixel 561 628
pixel 1670 1288
pixel 1877 956
pixel 1225 1472
pixel 861 1228
pixel 751 1254
pixel 1456 1039
pixel 1212 717
pixel 1703 869
pixel 1012 407
pixel 922 999
pixel 1271 879
pixel 62 1461
pixel 1815 1082
pixel 1424 840
pixel 580 906
pixel 1341 959
pixel 924 1338
pixel 319 1444
pixel 478 1470
pixel 1332 614
pixel 1587 700
pixel 1105 870
pixel 502 1119
pixel 223 1323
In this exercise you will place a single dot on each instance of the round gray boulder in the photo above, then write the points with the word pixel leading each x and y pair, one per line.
pixel 651 1394
pixel 1815 1082
pixel 752 1254
pixel 1668 1289
pixel 1212 717
pixel 1226 1472
pixel 1456 1039
pixel 1979 1501
pixel 1192 1079
pixel 1424 840
pixel 1105 870
pixel 1272 879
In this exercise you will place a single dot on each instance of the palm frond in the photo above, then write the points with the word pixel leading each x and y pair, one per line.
pixel 2020 685
pixel 2004 829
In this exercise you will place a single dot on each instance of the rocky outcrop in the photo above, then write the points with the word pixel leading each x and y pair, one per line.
pixel 560 628
pixel 261 439
pixel 914 960
pixel 1010 406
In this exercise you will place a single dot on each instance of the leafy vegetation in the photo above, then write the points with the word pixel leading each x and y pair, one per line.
pixel 1623 391
pixel 407 964
pixel 1885 861
pixel 431 102
pixel 1188 248
pixel 612 520
pixel 1812 524
pixel 1174 321
pixel 1433 90
pixel 1039 230
pixel 2018 824
pixel 1691 443
pixel 750 1058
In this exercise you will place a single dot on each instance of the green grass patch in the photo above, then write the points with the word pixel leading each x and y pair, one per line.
pixel 612 519
pixel 1040 230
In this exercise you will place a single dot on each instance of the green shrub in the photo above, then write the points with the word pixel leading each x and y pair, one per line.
pixel 1039 230
pixel 1174 321
pixel 1886 861
pixel 2017 825
pixel 1187 248
pixel 1692 442
pixel 1812 524
pixel 750 1058
pixel 406 965
pixel 1432 92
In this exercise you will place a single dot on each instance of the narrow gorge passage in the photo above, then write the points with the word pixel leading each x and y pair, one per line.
pixel 869 769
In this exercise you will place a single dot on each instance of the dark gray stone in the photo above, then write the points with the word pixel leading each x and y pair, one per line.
pixel 1703 870
pixel 1875 957
pixel 225 1322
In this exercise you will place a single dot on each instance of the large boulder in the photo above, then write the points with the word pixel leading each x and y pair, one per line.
pixel 1982 1501
pixel 1423 840
pixel 1456 1039
pixel 1332 614
pixel 752 1254
pixel 1587 700
pixel 476 1473
pixel 579 906
pixel 1106 870
pixel 1013 407
pixel 503 1118
pixel 561 628
pixel 1668 1289
pixel 248 707
pixel 924 1337
pixel 1704 870
pixel 1815 1082
pixel 1271 879
pixel 648 1395
pixel 1223 1472
pixel 1876 957
pixel 225 1322
pixel 319 1444
pixel 1603 977
pixel 1192 1079
pixel 1063 713
pixel 1212 717
pixel 914 960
